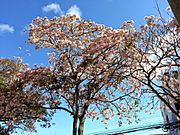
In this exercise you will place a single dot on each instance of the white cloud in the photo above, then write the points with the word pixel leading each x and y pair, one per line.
pixel 6 28
pixel 74 10
pixel 53 7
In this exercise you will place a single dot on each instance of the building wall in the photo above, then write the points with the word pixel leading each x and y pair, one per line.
pixel 168 116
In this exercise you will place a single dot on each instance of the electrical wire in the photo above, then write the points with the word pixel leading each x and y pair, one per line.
pixel 166 127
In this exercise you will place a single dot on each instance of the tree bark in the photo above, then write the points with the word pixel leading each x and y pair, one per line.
pixel 81 125
pixel 175 6
pixel 75 123
pixel 76 114
pixel 82 120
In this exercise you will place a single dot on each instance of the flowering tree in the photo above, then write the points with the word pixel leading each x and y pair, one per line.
pixel 20 108
pixel 158 66
pixel 87 73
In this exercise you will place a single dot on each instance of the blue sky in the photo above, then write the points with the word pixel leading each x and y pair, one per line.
pixel 15 15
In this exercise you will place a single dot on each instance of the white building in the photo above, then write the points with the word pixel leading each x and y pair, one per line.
pixel 168 115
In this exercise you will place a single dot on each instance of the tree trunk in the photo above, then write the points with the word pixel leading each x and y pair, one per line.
pixel 76 114
pixel 81 125
pixel 175 6
pixel 75 123
pixel 82 120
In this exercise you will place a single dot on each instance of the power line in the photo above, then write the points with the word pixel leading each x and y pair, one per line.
pixel 165 127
